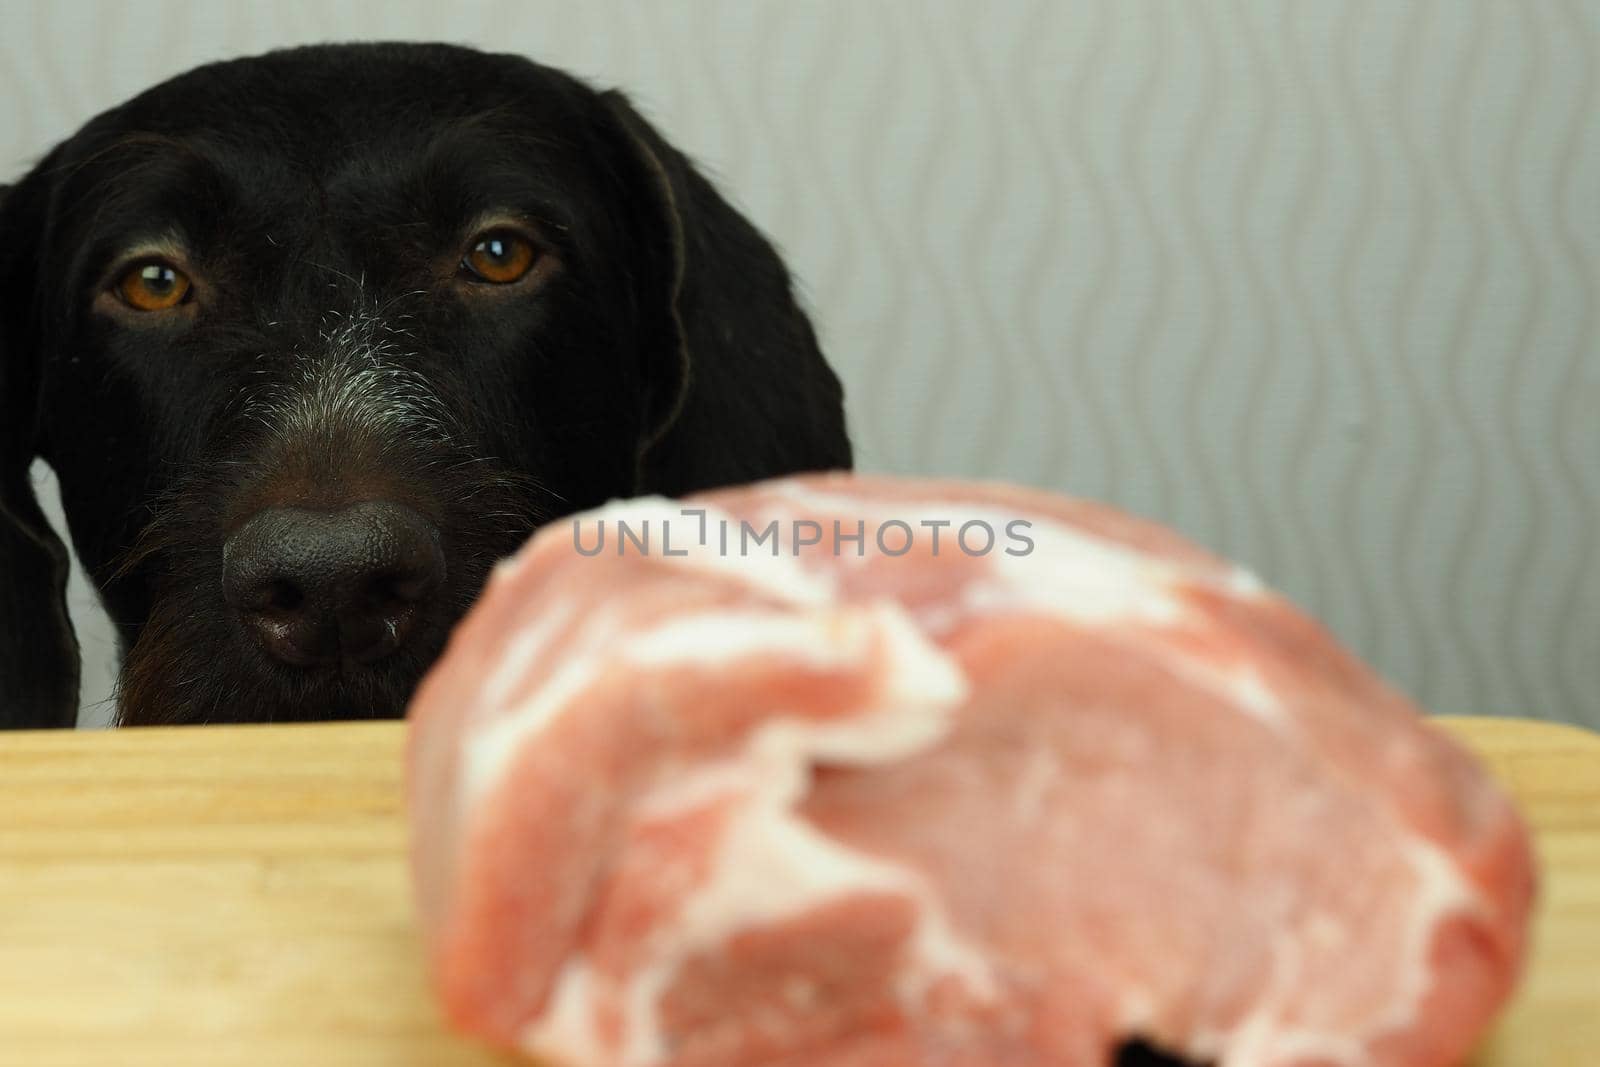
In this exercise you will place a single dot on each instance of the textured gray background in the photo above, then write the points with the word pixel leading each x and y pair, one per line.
pixel 1313 282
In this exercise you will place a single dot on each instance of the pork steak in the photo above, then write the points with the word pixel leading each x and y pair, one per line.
pixel 866 772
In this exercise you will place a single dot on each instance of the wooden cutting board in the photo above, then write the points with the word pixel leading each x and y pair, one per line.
pixel 226 896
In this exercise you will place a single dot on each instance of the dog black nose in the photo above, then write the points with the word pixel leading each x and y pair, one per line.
pixel 320 586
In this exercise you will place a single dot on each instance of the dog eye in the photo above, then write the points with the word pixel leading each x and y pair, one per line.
pixel 500 258
pixel 153 286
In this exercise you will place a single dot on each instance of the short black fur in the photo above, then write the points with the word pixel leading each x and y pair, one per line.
pixel 320 196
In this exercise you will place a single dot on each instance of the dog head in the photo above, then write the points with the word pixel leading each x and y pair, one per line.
pixel 311 339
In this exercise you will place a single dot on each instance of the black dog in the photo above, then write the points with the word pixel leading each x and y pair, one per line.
pixel 311 339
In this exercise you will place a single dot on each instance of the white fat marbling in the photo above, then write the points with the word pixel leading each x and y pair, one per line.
pixel 771 864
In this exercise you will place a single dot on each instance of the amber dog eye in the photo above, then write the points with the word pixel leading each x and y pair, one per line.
pixel 153 286
pixel 500 258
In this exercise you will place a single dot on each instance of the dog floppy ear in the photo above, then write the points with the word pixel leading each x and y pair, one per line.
pixel 736 387
pixel 38 651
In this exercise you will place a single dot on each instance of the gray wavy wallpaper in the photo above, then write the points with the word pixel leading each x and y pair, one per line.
pixel 1314 282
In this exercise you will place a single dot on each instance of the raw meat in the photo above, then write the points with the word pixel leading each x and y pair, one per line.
pixel 842 805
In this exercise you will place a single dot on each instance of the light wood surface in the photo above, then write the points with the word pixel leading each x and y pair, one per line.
pixel 225 896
